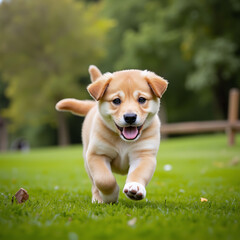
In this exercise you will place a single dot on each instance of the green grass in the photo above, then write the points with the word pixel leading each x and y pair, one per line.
pixel 60 205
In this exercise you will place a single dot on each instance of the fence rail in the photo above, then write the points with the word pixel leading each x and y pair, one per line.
pixel 231 126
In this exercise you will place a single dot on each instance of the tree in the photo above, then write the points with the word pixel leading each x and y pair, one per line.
pixel 3 123
pixel 194 44
pixel 45 47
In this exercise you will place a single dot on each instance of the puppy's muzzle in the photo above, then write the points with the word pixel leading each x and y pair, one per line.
pixel 131 131
pixel 130 118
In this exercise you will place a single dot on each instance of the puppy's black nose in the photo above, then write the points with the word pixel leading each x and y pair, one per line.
pixel 130 118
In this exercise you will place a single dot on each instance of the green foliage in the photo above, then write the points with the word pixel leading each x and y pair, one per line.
pixel 45 46
pixel 194 44
pixel 216 58
pixel 3 99
pixel 60 205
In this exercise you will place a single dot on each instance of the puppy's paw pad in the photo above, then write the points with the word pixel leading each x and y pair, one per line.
pixel 134 191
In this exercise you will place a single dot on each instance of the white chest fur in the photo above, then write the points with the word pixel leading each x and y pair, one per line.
pixel 123 154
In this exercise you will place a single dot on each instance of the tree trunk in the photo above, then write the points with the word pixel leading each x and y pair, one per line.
pixel 3 135
pixel 163 117
pixel 63 131
pixel 221 91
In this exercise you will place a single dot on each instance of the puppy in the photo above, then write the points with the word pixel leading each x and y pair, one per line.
pixel 121 131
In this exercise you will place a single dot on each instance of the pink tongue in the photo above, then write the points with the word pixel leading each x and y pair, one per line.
pixel 130 132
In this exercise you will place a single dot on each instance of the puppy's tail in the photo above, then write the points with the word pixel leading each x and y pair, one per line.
pixel 77 107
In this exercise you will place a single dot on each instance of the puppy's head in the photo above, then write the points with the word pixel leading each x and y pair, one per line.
pixel 128 100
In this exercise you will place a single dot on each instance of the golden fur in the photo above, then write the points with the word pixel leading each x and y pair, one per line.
pixel 121 131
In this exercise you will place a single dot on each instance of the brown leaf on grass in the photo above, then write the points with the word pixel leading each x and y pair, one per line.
pixel 21 196
pixel 204 199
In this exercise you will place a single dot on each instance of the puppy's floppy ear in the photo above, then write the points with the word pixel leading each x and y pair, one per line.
pixel 98 88
pixel 94 72
pixel 156 83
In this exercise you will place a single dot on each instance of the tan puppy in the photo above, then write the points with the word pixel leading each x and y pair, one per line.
pixel 121 131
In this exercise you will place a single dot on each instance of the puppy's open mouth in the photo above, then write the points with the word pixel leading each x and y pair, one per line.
pixel 131 132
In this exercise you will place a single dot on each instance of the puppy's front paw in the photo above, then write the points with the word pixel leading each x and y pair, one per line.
pixel 134 191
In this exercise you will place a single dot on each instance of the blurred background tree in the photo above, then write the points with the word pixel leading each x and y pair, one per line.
pixel 46 46
pixel 194 44
pixel 3 123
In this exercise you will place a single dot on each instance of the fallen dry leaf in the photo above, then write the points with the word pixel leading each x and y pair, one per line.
pixel 203 199
pixel 21 196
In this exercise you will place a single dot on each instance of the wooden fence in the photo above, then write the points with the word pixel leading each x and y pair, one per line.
pixel 231 126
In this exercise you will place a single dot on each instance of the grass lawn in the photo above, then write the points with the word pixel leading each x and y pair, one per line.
pixel 60 205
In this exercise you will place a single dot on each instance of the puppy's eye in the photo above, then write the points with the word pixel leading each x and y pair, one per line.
pixel 142 100
pixel 117 101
